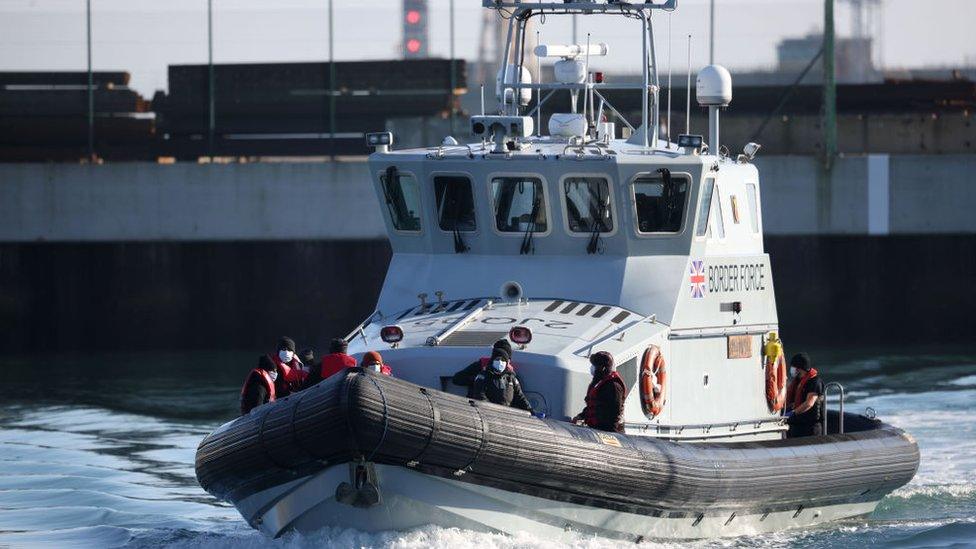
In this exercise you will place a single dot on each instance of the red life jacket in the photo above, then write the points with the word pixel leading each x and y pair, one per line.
pixel 265 380
pixel 795 393
pixel 291 376
pixel 589 413
pixel 335 363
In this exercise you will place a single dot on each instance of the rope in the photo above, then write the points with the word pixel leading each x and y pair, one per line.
pixel 386 417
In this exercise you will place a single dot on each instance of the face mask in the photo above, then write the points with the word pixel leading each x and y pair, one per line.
pixel 592 370
pixel 498 365
pixel 273 374
pixel 285 356
pixel 795 371
pixel 375 367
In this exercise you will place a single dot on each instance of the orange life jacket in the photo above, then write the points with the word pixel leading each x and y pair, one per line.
pixel 265 378
pixel 795 393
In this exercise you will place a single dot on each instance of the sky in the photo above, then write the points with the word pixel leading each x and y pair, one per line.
pixel 144 36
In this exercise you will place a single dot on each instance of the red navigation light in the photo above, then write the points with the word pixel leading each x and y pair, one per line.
pixel 413 17
pixel 598 77
pixel 391 334
pixel 520 335
pixel 413 45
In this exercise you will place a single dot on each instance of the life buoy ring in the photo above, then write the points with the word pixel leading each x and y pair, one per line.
pixel 775 363
pixel 653 382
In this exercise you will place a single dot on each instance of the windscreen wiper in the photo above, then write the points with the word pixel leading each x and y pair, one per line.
pixel 668 192
pixel 527 246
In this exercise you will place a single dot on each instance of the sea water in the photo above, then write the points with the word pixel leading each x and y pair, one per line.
pixel 97 451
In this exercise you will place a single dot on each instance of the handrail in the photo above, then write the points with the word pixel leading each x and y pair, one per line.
pixel 434 341
pixel 840 422
pixel 584 6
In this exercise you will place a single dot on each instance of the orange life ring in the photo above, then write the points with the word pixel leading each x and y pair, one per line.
pixel 653 370
pixel 776 381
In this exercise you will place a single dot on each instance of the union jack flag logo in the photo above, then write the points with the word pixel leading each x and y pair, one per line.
pixel 697 279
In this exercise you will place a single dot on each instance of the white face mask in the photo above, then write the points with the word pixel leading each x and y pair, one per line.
pixel 795 372
pixel 285 355
pixel 273 374
pixel 498 365
pixel 592 370
pixel 375 367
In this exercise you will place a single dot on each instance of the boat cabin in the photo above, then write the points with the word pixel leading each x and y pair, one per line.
pixel 592 239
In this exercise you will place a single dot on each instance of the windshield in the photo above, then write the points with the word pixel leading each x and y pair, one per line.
pixel 660 204
pixel 588 204
pixel 455 203
pixel 402 196
pixel 519 204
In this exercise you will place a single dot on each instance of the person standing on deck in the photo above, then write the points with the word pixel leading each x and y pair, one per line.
pixel 466 377
pixel 497 383
pixel 804 398
pixel 605 396
pixel 336 361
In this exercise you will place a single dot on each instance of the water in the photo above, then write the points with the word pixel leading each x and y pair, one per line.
pixel 97 451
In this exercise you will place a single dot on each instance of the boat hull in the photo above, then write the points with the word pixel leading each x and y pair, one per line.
pixel 411 499
pixel 375 453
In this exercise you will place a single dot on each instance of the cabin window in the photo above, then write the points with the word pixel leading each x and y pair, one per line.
pixel 520 204
pixel 704 206
pixel 753 206
pixel 660 204
pixel 402 195
pixel 716 215
pixel 588 204
pixel 455 203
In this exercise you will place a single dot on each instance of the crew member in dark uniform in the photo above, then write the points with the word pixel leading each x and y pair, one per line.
pixel 804 398
pixel 497 383
pixel 259 387
pixel 605 396
pixel 465 378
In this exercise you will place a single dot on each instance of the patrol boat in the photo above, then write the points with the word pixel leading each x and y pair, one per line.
pixel 597 235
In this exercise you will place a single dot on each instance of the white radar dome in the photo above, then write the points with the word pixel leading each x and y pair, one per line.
pixel 714 86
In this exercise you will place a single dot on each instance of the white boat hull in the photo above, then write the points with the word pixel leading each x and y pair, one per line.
pixel 411 499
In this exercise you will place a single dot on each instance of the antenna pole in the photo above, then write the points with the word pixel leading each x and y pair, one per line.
pixel 453 74
pixel 482 99
pixel 830 87
pixel 645 123
pixel 538 95
pixel 657 84
pixel 586 92
pixel 711 34
pixel 688 91
pixel 91 86
pixel 669 82
pixel 211 118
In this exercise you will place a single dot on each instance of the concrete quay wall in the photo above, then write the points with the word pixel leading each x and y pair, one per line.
pixel 872 194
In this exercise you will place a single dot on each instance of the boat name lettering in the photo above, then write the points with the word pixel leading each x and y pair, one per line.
pixel 748 277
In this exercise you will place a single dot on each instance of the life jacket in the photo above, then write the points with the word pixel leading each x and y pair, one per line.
pixel 265 378
pixel 291 376
pixel 589 413
pixel 335 363
pixel 795 394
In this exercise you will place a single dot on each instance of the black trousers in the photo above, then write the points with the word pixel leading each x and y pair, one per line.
pixel 803 427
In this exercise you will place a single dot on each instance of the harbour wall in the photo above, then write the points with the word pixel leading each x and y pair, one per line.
pixel 146 256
